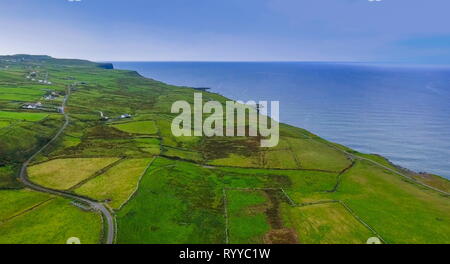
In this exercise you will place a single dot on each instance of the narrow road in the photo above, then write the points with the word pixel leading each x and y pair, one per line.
pixel 387 168
pixel 110 232
pixel 401 174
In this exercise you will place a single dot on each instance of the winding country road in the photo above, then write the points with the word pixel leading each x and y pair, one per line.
pixel 110 232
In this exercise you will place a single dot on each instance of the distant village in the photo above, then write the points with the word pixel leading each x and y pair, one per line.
pixel 33 76
pixel 50 95
pixel 53 95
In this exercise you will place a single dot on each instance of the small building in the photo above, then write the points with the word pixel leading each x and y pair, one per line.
pixel 29 106
pixel 32 106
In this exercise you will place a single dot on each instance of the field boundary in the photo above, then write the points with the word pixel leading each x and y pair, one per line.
pixel 361 221
pixel 98 173
pixel 26 211
pixel 225 208
pixel 339 177
pixel 145 172
pixel 137 184
pixel 293 204
pixel 353 156
pixel 276 169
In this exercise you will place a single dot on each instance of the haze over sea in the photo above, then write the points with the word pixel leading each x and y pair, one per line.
pixel 400 112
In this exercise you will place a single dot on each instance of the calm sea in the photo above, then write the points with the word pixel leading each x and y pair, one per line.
pixel 400 112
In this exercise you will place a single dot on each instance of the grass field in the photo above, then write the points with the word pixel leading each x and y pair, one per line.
pixel 247 219
pixel 117 184
pixel 18 97
pixel 183 154
pixel 235 160
pixel 23 138
pixel 395 207
pixel 62 174
pixel 433 180
pixel 315 155
pixel 25 116
pixel 149 145
pixel 326 224
pixel 279 160
pixel 176 203
pixel 52 223
pixel 14 202
pixel 21 93
pixel 139 127
pixel 4 123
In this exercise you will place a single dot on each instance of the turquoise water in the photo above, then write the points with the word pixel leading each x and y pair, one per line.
pixel 400 112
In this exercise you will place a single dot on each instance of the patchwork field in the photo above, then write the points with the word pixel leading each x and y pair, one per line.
pixel 117 184
pixel 197 189
pixel 62 174
pixel 395 206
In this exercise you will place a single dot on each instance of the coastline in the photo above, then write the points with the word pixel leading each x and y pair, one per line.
pixel 433 181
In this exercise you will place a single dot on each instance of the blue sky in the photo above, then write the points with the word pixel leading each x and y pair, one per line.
pixel 404 31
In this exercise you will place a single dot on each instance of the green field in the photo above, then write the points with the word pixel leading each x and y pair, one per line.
pixel 247 221
pixel 175 203
pixel 4 123
pixel 23 93
pixel 14 202
pixel 63 174
pixel 140 127
pixel 315 155
pixel 183 154
pixel 395 207
pixel 327 223
pixel 117 184
pixel 25 116
pixel 53 222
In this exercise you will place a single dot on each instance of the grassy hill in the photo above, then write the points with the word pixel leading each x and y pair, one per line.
pixel 166 189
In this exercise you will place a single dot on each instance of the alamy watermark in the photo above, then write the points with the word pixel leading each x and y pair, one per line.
pixel 238 119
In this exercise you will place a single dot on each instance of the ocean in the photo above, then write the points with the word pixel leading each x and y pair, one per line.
pixel 400 112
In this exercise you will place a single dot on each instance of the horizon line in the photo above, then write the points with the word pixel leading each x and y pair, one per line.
pixel 394 63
